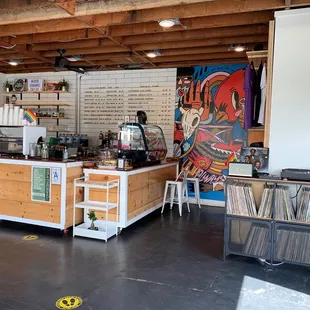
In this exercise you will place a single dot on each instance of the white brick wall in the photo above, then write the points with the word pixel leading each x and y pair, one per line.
pixel 159 83
pixel 152 79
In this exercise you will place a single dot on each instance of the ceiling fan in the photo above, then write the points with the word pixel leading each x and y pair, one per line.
pixel 62 63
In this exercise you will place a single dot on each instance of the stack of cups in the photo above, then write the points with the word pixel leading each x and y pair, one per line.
pixel 1 115
pixel 5 120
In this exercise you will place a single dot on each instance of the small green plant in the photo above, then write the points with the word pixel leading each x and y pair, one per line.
pixel 92 217
pixel 63 85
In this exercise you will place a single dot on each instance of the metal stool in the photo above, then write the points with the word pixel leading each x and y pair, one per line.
pixel 195 182
pixel 181 187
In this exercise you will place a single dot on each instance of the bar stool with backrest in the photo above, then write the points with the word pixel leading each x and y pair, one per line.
pixel 179 187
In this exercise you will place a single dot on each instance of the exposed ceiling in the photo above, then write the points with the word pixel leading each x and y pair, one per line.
pixel 110 33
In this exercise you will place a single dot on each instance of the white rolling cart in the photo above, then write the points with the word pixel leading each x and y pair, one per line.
pixel 106 229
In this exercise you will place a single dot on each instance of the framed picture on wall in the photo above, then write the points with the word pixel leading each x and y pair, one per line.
pixel 257 156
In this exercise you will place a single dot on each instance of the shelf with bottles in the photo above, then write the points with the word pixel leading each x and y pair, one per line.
pixel 50 113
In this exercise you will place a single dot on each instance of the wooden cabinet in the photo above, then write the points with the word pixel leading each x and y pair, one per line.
pixel 256 134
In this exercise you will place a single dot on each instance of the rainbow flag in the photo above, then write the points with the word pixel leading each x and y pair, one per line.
pixel 231 158
pixel 30 116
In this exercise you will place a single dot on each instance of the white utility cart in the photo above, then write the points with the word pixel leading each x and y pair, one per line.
pixel 106 228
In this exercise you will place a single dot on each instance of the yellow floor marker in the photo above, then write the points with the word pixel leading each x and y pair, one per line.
pixel 69 302
pixel 30 237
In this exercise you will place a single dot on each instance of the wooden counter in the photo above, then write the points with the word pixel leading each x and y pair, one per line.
pixel 16 202
pixel 141 190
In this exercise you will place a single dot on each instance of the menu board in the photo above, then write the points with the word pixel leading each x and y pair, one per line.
pixel 41 184
pixel 107 105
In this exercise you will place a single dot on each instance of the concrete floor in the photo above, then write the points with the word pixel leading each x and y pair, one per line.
pixel 162 262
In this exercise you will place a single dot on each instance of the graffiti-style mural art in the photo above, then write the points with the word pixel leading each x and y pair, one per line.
pixel 209 119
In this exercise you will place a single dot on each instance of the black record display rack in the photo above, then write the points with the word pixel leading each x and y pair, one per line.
pixel 268 219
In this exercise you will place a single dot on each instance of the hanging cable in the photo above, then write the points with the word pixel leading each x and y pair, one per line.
pixel 8 47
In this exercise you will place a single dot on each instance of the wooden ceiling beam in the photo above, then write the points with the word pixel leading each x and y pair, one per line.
pixel 218 7
pixel 65 24
pixel 145 10
pixel 104 20
pixel 199 50
pixel 27 53
pixel 199 63
pixel 210 56
pixel 73 44
pixel 227 20
pixel 61 36
pixel 45 11
pixel 196 34
pixel 205 42
pixel 88 51
pixel 68 6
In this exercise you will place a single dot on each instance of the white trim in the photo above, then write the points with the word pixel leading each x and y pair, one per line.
pixel 129 172
pixel 28 221
pixel 207 202
pixel 123 201
pixel 41 163
pixel 63 201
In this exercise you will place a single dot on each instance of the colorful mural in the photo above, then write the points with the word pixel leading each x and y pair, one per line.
pixel 209 119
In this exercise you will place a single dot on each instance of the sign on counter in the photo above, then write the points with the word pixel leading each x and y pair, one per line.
pixel 41 184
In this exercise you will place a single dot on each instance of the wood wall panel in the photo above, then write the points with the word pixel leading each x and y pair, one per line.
pixel 15 172
pixel 146 190
pixel 21 191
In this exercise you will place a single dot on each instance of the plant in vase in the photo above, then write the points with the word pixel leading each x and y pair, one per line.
pixel 8 86
pixel 92 217
pixel 63 85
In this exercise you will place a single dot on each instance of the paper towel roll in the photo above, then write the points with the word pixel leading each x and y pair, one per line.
pixel 1 116
pixel 21 116
pixel 5 114
pixel 10 118
pixel 16 116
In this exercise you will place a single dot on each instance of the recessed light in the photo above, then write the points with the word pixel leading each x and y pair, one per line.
pixel 151 55
pixel 167 23
pixel 237 47
pixel 13 62
pixel 154 54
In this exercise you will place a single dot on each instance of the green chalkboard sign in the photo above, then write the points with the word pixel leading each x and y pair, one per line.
pixel 41 184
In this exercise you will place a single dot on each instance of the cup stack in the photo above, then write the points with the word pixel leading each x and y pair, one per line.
pixel 5 120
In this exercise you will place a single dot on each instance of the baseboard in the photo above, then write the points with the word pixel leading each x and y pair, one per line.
pixel 207 202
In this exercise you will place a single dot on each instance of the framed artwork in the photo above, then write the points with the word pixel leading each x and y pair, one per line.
pixel 257 156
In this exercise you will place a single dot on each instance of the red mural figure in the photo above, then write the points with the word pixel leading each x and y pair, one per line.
pixel 229 99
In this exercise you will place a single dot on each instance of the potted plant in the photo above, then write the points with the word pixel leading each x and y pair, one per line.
pixel 63 85
pixel 92 217
pixel 8 86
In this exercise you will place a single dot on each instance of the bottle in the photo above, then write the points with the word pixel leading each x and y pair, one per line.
pixel 65 154
pixel 101 135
